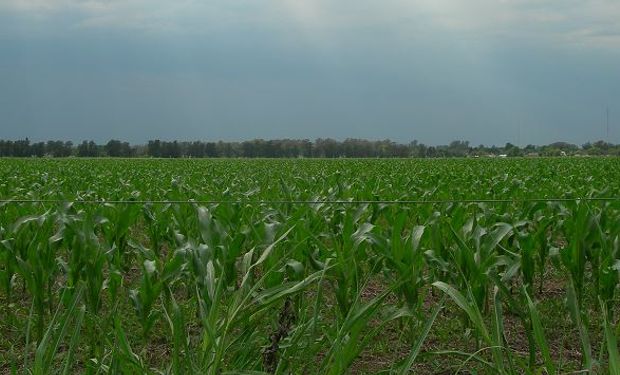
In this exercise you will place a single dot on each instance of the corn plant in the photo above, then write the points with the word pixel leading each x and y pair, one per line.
pixel 309 266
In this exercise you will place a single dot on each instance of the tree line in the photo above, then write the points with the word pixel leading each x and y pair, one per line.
pixel 293 148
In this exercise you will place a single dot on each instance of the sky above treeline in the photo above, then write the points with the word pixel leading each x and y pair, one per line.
pixel 491 72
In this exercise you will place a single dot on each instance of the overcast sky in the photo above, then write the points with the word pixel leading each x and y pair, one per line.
pixel 530 71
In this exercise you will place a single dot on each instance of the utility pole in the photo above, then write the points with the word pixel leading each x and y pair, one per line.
pixel 607 114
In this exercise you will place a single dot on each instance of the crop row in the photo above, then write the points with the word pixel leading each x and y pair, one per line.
pixel 308 288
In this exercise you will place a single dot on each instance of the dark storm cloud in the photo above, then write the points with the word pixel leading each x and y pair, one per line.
pixel 527 72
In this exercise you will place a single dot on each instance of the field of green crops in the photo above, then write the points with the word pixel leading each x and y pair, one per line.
pixel 102 276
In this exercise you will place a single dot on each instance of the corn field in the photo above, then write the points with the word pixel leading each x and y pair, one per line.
pixel 309 267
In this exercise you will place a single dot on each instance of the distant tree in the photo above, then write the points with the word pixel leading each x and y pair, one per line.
pixel 113 148
pixel 196 150
pixel 293 148
pixel 93 149
pixel 326 148
pixel 154 148
pixel 38 149
pixel 59 149
pixel 82 149
pixel 250 148
pixel 417 150
pixel 431 152
pixel 21 147
pixel 170 149
pixel 602 145
pixel 6 148
pixel 512 150
pixel 126 150
pixel 306 148
pixel 457 149
pixel 87 149
pixel 225 149
pixel 67 148
pixel 211 150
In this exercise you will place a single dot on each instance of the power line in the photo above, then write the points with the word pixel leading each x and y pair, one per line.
pixel 308 202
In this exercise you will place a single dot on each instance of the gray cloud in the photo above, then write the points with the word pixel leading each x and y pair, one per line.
pixel 435 70
pixel 322 19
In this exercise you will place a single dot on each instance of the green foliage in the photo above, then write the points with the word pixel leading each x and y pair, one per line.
pixel 242 280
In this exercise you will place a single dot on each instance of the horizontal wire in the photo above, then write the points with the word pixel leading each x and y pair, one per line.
pixel 310 202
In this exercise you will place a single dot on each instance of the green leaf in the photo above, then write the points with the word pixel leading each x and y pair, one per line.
pixel 539 335
pixel 405 368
